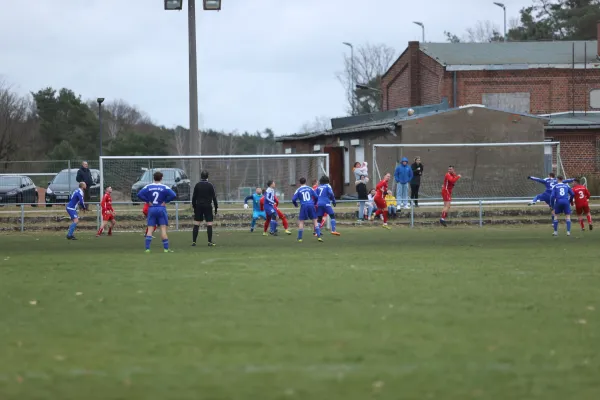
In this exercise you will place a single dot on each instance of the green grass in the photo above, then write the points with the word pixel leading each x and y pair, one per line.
pixel 461 313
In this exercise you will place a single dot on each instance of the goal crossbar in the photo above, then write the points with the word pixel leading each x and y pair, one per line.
pixel 466 144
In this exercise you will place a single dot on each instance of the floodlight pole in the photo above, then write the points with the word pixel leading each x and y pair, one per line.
pixel 503 6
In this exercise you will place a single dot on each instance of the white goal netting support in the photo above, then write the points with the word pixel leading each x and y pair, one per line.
pixel 234 176
pixel 489 170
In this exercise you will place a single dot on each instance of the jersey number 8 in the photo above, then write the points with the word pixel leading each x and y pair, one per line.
pixel 562 191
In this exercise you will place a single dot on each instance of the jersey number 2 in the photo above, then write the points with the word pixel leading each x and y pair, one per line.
pixel 155 194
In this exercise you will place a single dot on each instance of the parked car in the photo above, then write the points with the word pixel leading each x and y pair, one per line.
pixel 17 189
pixel 175 178
pixel 64 183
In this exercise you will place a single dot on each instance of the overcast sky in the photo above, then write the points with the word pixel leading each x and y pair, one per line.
pixel 261 63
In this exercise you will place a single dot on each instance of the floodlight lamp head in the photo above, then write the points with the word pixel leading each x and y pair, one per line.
pixel 212 5
pixel 100 100
pixel 173 5
pixel 499 4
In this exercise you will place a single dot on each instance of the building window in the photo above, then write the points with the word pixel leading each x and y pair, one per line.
pixel 359 154
pixel 346 166
pixel 595 98
pixel 512 102
pixel 597 153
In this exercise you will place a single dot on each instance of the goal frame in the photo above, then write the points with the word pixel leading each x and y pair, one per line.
pixel 377 174
pixel 324 166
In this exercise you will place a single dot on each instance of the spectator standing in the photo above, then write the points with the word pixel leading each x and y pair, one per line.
pixel 85 175
pixel 415 183
pixel 363 196
pixel 361 169
pixel 403 175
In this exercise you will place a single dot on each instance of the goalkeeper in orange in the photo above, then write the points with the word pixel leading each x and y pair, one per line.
pixel 108 213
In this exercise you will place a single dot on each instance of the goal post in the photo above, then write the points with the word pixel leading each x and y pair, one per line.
pixel 489 170
pixel 234 176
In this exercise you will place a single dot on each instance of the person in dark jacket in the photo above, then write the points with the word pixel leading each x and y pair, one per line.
pixel 85 175
pixel 415 182
pixel 363 196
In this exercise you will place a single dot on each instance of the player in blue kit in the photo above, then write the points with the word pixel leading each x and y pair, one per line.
pixel 271 206
pixel 324 203
pixel 256 212
pixel 308 199
pixel 560 199
pixel 76 200
pixel 549 182
pixel 157 195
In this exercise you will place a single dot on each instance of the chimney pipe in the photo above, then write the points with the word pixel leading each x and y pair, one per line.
pixel 598 39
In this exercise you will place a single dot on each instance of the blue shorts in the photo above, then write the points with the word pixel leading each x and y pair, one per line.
pixel 322 210
pixel 562 208
pixel 545 197
pixel 259 214
pixel 72 214
pixel 270 211
pixel 307 212
pixel 158 216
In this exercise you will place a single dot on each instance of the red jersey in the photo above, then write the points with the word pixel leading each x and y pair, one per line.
pixel 315 187
pixel 262 203
pixel 381 189
pixel 106 204
pixel 449 182
pixel 581 196
pixel 145 209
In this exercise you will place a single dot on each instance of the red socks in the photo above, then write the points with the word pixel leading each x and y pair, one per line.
pixel 444 214
pixel 284 222
pixel 385 216
pixel 589 218
pixel 581 222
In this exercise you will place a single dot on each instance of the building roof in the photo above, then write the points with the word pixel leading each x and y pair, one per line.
pixel 513 55
pixel 574 121
pixel 391 120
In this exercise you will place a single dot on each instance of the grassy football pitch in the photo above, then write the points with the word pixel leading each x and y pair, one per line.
pixel 457 313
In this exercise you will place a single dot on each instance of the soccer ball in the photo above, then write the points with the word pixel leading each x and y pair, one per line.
pixel 410 112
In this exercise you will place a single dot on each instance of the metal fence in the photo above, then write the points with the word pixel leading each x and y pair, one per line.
pixel 232 215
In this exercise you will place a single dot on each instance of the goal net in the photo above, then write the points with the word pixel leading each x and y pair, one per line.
pixel 488 170
pixel 234 177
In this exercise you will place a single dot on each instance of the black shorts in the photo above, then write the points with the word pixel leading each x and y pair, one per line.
pixel 203 213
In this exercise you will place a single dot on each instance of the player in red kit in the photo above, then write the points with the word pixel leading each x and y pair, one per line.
pixel 281 216
pixel 582 206
pixel 449 181
pixel 108 213
pixel 380 192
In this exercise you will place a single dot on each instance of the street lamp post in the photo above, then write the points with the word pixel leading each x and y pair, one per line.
pixel 501 5
pixel 353 77
pixel 100 100
pixel 422 30
pixel 365 87
pixel 211 5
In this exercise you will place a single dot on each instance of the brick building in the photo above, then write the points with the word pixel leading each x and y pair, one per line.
pixel 525 77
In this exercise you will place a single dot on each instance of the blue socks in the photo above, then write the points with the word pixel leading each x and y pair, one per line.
pixel 318 230
pixel 72 229
pixel 166 244
pixel 148 241
pixel 253 224
pixel 300 231
pixel 273 225
pixel 333 225
pixel 555 224
pixel 568 226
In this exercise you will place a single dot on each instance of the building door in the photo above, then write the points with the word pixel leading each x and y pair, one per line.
pixel 336 169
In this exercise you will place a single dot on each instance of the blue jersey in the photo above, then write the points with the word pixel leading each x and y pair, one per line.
pixel 549 183
pixel 76 199
pixel 562 193
pixel 255 201
pixel 156 194
pixel 305 195
pixel 326 196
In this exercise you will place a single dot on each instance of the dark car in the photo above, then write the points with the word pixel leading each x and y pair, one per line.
pixel 17 189
pixel 175 178
pixel 64 183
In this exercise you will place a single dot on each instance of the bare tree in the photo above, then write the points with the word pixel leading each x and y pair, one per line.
pixel 14 118
pixel 481 32
pixel 319 124
pixel 371 61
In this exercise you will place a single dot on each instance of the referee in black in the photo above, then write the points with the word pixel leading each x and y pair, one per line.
pixel 202 202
